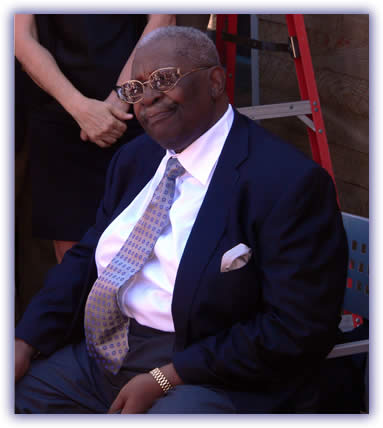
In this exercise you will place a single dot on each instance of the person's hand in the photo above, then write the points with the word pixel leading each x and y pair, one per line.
pixel 115 101
pixel 23 356
pixel 100 121
pixel 138 395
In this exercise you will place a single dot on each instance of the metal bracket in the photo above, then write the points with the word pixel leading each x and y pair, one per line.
pixel 307 121
pixel 292 46
pixel 255 44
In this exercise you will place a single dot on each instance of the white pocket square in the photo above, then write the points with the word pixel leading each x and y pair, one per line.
pixel 236 258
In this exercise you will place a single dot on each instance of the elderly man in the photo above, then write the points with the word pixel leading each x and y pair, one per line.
pixel 213 278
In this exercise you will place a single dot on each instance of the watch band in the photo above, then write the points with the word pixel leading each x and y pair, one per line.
pixel 161 380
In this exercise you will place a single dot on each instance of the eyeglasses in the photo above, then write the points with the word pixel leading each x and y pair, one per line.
pixel 162 80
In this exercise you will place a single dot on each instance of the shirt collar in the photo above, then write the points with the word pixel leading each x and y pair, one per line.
pixel 200 157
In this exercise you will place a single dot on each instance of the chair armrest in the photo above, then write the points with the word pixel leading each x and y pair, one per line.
pixel 350 348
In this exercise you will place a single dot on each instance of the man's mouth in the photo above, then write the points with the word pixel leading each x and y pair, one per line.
pixel 154 117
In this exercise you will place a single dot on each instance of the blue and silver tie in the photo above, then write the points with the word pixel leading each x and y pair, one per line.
pixel 106 328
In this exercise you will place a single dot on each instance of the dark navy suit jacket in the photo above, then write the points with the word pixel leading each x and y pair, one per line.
pixel 260 331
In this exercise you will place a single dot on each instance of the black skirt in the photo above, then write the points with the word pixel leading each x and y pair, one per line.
pixel 68 177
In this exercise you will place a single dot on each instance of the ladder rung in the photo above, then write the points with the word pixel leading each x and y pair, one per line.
pixel 270 111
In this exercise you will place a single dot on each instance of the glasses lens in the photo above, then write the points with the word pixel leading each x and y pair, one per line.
pixel 165 79
pixel 132 91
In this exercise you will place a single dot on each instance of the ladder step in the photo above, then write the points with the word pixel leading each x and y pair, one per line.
pixel 308 110
pixel 270 111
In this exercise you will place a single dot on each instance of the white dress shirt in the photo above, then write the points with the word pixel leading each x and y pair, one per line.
pixel 148 299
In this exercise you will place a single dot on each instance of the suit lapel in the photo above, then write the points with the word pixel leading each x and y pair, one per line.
pixel 209 225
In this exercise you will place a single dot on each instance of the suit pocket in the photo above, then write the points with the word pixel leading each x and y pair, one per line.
pixel 236 258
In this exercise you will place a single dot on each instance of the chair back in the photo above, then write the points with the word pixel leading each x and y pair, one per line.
pixel 357 290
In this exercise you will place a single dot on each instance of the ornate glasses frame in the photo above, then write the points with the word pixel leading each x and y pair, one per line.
pixel 120 89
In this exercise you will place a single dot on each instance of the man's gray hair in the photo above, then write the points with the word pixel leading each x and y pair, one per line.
pixel 190 43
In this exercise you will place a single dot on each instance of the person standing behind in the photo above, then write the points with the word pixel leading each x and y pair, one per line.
pixel 76 122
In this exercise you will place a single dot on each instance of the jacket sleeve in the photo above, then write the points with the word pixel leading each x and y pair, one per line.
pixel 53 310
pixel 302 256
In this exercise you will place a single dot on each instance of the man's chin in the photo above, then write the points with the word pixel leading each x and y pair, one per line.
pixel 168 143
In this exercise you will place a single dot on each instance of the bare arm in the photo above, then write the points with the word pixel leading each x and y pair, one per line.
pixel 102 122
pixel 40 64
pixel 154 21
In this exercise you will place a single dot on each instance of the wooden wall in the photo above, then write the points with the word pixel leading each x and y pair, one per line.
pixel 340 52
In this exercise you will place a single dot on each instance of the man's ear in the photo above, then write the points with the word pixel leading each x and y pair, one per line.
pixel 217 77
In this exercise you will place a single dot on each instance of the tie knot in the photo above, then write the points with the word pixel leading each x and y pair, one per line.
pixel 174 169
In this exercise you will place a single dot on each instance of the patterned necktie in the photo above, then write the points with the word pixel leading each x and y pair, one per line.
pixel 106 328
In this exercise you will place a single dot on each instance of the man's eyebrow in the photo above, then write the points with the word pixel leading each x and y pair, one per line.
pixel 141 76
pixel 134 76
pixel 146 75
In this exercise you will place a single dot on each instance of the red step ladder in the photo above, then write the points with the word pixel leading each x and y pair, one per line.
pixel 308 109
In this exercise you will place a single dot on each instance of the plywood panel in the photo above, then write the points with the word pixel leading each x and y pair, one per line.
pixel 340 53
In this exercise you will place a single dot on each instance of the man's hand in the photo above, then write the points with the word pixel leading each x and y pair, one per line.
pixel 100 121
pixel 140 393
pixel 23 356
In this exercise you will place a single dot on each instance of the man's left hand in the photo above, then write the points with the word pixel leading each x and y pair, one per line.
pixel 138 395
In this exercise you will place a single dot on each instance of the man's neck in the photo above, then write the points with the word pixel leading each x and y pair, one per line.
pixel 221 109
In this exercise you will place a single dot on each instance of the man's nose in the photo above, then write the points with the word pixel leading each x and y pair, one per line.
pixel 150 95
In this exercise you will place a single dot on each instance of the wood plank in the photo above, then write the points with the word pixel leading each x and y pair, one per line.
pixel 339 46
pixel 353 199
